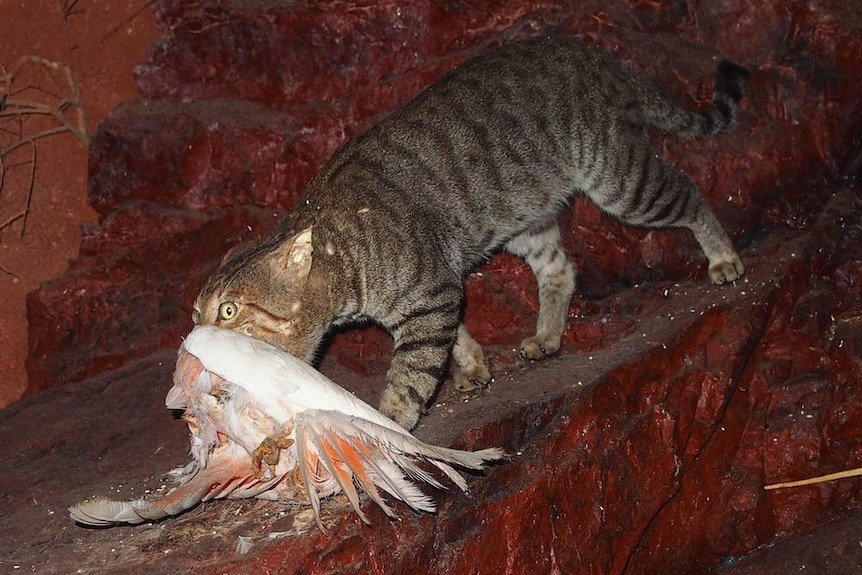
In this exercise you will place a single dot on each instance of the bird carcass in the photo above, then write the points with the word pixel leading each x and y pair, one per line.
pixel 265 424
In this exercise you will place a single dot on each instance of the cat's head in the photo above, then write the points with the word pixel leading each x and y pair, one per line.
pixel 268 291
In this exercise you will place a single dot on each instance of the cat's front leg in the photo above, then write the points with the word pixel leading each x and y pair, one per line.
pixel 423 343
pixel 470 369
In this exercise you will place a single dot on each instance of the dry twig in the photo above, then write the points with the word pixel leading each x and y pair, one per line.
pixel 819 479
pixel 16 112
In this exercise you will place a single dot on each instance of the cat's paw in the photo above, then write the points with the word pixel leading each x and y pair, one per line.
pixel 537 348
pixel 403 409
pixel 475 377
pixel 726 270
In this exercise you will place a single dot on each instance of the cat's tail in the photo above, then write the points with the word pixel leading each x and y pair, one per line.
pixel 730 81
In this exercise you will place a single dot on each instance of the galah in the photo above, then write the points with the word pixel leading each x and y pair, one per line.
pixel 265 424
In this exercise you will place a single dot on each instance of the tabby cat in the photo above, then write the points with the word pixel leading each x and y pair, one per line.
pixel 485 158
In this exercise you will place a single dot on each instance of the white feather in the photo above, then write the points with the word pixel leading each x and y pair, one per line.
pixel 238 392
pixel 287 385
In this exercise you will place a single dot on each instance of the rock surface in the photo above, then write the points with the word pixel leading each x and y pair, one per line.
pixel 231 118
pixel 108 39
pixel 642 448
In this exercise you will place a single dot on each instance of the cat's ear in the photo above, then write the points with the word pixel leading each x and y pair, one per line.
pixel 294 255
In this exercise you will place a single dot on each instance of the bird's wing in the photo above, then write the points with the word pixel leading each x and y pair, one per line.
pixel 228 475
pixel 281 383
pixel 352 450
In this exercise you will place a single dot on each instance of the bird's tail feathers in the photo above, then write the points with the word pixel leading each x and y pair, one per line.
pixel 350 450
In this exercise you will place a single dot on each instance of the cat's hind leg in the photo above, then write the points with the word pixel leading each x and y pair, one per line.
pixel 544 253
pixel 640 189
pixel 682 205
pixel 724 263
pixel 469 369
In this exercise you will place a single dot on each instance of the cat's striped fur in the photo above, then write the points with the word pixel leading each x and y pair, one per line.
pixel 484 159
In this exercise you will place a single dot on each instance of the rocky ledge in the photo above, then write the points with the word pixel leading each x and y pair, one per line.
pixel 643 447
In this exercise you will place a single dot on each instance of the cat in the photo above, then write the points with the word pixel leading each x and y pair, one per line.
pixel 483 159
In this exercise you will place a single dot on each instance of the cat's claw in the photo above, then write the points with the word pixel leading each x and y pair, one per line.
pixel 475 376
pixel 535 349
pixel 463 383
pixel 726 270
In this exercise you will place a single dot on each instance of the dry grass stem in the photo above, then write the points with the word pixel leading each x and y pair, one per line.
pixel 66 112
pixel 819 479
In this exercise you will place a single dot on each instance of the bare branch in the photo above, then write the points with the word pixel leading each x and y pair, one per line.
pixel 69 10
pixel 29 188
pixel 67 112
pixel 2 173
pixel 20 109
pixel 32 139
pixel 6 270
pixel 137 13
pixel 12 220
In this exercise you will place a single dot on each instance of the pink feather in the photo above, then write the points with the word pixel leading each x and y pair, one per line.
pixel 238 392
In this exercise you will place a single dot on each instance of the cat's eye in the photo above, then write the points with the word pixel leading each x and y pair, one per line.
pixel 227 310
pixel 196 316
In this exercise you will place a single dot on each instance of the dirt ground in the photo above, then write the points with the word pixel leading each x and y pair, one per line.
pixel 102 42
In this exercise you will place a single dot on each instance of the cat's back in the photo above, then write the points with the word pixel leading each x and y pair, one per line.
pixel 514 107
pixel 456 161
pixel 538 66
pixel 555 78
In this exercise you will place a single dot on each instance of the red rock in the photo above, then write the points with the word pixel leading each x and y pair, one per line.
pixel 95 313
pixel 220 151
pixel 655 462
pixel 643 448
pixel 212 154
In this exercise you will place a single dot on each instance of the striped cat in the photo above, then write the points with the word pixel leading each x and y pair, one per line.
pixel 484 159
